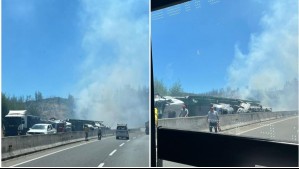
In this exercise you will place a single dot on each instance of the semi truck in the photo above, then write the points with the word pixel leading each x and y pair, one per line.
pixel 18 122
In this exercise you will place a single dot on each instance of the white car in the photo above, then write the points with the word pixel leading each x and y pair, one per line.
pixel 41 129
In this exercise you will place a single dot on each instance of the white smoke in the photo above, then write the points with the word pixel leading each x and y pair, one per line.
pixel 116 64
pixel 272 59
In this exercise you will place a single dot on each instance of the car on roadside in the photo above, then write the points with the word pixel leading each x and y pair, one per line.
pixel 41 129
pixel 122 131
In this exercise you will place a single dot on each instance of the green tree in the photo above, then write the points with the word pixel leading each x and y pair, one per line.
pixel 11 103
pixel 159 87
pixel 38 96
pixel 4 105
pixel 176 89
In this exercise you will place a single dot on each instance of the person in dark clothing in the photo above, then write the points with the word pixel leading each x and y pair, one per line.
pixel 99 133
pixel 86 129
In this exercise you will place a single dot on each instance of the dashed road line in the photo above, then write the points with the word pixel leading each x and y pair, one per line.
pixel 101 165
pixel 112 152
pixel 121 144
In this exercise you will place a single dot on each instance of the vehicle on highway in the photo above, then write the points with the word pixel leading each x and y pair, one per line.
pixel 68 127
pixel 168 107
pixel 147 128
pixel 59 125
pixel 244 107
pixel 223 108
pixel 91 127
pixel 17 122
pixel 122 131
pixel 42 129
pixel 78 125
pixel 267 109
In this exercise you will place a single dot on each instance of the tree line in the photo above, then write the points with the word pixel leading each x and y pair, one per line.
pixel 161 89
pixel 228 92
pixel 32 105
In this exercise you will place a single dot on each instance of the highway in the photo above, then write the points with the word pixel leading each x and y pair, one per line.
pixel 110 152
pixel 282 130
pixel 107 152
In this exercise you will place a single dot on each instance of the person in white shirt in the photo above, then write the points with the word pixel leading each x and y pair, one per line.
pixel 213 119
pixel 184 112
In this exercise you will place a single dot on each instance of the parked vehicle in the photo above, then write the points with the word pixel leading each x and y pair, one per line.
pixel 42 129
pixel 59 125
pixel 18 122
pixel 68 127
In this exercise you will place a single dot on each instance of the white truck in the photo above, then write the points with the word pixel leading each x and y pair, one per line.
pixel 18 122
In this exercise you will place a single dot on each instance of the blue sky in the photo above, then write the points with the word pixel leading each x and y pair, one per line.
pixel 96 50
pixel 213 44
pixel 54 46
pixel 41 47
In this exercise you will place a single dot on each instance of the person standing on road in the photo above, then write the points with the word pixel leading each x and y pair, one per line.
pixel 99 133
pixel 213 119
pixel 218 123
pixel 86 129
pixel 184 111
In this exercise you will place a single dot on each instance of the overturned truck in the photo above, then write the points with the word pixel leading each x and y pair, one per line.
pixel 170 107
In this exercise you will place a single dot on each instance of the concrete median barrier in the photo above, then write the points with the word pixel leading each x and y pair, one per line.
pixel 227 122
pixel 19 145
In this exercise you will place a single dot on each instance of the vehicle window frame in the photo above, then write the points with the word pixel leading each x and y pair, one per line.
pixel 158 5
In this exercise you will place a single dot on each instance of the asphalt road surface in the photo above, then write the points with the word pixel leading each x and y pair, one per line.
pixel 107 152
pixel 282 130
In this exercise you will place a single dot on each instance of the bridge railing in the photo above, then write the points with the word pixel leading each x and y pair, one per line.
pixel 204 149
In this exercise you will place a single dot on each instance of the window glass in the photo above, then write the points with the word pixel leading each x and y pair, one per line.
pixel 239 57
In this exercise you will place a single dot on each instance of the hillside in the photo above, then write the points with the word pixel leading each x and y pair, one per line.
pixel 59 108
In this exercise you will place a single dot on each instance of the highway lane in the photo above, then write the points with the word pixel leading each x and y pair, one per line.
pixel 135 155
pixel 282 130
pixel 93 153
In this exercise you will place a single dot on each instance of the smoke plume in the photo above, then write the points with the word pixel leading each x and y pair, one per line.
pixel 115 71
pixel 271 65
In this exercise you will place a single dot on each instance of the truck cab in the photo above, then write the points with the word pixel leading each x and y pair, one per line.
pixel 18 122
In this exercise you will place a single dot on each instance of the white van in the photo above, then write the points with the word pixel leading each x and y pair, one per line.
pixel 122 131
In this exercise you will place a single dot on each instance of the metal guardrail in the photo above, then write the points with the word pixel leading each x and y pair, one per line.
pixel 217 150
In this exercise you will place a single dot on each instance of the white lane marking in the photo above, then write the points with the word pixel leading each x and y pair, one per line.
pixel 266 125
pixel 121 144
pixel 51 154
pixel 112 152
pixel 128 140
pixel 101 165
